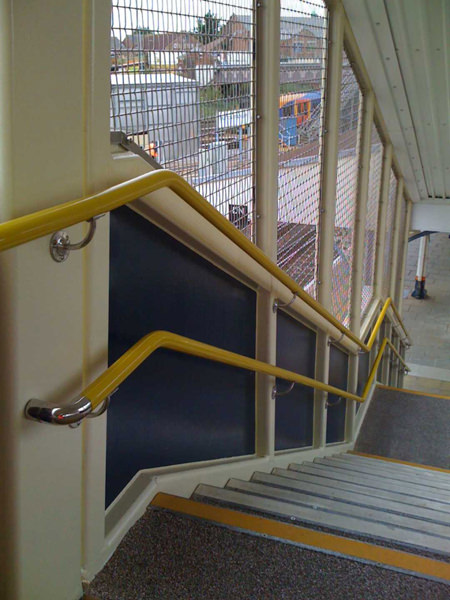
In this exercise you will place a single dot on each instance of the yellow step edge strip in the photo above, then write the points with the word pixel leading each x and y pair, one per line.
pixel 308 537
pixel 400 462
pixel 416 392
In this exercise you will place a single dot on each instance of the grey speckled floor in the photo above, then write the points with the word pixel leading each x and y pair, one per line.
pixel 166 556
pixel 407 427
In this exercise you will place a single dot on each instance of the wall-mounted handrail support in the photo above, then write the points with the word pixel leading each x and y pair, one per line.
pixel 278 304
pixel 277 394
pixel 61 247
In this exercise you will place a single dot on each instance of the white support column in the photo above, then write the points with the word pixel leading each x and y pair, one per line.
pixel 382 213
pixel 9 440
pixel 419 289
pixel 266 350
pixel 401 275
pixel 358 249
pixel 266 198
pixel 401 373
pixel 396 238
pixel 327 204
pixel 393 375
pixel 42 341
pixel 267 102
pixel 386 331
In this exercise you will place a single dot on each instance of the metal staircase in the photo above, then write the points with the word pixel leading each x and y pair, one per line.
pixel 397 504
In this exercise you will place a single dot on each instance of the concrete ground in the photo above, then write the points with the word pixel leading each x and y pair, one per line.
pixel 428 320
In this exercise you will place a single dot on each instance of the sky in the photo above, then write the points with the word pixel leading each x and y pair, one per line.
pixel 182 15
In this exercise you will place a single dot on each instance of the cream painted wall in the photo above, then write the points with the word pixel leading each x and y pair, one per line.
pixel 54 67
pixel 54 316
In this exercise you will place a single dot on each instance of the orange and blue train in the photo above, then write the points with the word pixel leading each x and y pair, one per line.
pixel 295 109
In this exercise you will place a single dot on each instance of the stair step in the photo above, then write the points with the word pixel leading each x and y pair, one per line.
pixel 360 488
pixel 339 507
pixel 400 508
pixel 394 474
pixel 387 464
pixel 378 467
pixel 305 539
pixel 325 519
pixel 421 491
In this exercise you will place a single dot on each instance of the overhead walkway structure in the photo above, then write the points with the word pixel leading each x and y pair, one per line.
pixel 160 367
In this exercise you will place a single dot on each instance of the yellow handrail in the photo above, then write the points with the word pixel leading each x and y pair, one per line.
pixel 30 227
pixel 110 379
pixel 373 335
pixel 376 364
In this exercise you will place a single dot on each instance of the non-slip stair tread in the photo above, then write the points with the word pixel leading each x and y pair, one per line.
pixel 340 507
pixel 352 497
pixel 395 474
pixel 386 463
pixel 166 556
pixel 327 519
pixel 426 476
pixel 360 488
pixel 421 491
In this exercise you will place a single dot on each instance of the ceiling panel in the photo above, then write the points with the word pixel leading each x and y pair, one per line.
pixel 406 49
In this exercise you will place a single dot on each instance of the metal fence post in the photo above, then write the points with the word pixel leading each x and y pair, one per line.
pixel 267 57
pixel 382 213
pixel 386 360
pixel 267 100
pixel 396 237
pixel 358 249
pixel 327 203
pixel 398 298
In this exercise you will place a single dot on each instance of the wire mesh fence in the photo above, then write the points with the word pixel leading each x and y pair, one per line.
pixel 371 225
pixel 389 232
pixel 303 43
pixel 183 88
pixel 347 181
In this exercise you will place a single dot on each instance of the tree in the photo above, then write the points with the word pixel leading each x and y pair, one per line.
pixel 208 28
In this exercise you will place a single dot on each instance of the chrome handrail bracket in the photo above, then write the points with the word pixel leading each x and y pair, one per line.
pixel 70 414
pixel 276 393
pixel 60 246
pixel 278 304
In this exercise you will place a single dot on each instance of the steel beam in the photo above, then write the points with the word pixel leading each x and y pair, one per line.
pixel 358 248
pixel 328 204
pixel 395 249
pixel 266 205
pixel 382 214
pixel 401 275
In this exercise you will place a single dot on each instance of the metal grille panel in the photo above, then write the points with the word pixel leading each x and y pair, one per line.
pixel 389 232
pixel 371 226
pixel 302 76
pixel 347 179
pixel 182 87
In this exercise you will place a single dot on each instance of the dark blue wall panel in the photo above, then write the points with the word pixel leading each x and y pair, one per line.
pixel 175 408
pixel 296 347
pixel 338 376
